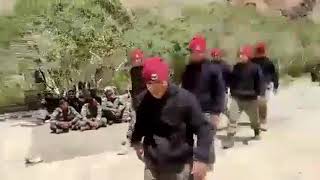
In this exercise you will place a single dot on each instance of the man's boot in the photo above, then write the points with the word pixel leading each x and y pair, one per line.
pixel 263 127
pixel 125 145
pixel 228 142
pixel 256 134
pixel 84 128
pixel 59 131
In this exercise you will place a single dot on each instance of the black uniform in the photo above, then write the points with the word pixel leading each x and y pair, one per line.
pixel 269 71
pixel 205 81
pixel 168 125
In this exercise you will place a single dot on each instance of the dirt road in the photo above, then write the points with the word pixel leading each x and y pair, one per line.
pixel 290 150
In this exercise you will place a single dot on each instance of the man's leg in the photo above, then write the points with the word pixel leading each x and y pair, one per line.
pixel 263 109
pixel 233 115
pixel 53 127
pixel 126 143
pixel 84 125
pixel 56 128
pixel 251 108
pixel 212 155
pixel 178 173
pixel 150 174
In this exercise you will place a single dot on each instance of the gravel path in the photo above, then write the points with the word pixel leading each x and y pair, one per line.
pixel 290 150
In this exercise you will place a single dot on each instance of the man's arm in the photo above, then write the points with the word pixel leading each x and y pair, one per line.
pixel 77 116
pixel 228 75
pixel 99 112
pixel 274 75
pixel 201 128
pixel 84 112
pixel 258 82
pixel 217 90
pixel 54 115
pixel 138 130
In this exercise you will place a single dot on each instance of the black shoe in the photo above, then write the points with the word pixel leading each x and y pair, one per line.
pixel 257 134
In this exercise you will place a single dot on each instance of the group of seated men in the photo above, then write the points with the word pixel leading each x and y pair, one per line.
pixel 88 111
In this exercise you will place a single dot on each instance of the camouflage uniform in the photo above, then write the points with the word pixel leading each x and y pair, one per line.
pixel 113 111
pixel 60 123
pixel 91 115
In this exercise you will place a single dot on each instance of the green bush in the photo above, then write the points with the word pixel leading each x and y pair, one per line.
pixel 73 38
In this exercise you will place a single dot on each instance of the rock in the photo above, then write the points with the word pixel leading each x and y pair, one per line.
pixel 33 161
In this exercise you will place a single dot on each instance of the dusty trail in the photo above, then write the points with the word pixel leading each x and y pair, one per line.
pixel 290 150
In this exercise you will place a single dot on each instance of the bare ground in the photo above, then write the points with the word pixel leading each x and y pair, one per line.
pixel 290 150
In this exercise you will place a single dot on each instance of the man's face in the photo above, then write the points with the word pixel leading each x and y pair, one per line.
pixel 137 61
pixel 157 89
pixel 89 100
pixel 64 105
pixel 110 95
pixel 71 95
pixel 197 56
pixel 243 58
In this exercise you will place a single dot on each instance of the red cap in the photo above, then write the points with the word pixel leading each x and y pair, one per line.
pixel 136 56
pixel 246 50
pixel 155 69
pixel 198 44
pixel 216 52
pixel 260 48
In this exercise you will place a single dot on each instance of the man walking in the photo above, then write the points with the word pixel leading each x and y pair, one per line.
pixel 167 119
pixel 246 87
pixel 205 81
pixel 271 81
pixel 138 85
pixel 226 69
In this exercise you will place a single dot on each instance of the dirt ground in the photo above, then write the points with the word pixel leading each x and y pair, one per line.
pixel 290 150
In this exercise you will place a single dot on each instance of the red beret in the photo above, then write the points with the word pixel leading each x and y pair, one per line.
pixel 260 48
pixel 216 52
pixel 246 50
pixel 198 44
pixel 155 69
pixel 136 56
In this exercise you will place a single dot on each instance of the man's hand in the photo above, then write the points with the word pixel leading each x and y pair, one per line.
pixel 139 150
pixel 215 120
pixel 199 170
pixel 64 125
pixel 275 91
pixel 93 124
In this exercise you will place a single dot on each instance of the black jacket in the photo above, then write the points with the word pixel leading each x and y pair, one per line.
pixel 205 81
pixel 137 83
pixel 247 81
pixel 168 125
pixel 226 71
pixel 269 71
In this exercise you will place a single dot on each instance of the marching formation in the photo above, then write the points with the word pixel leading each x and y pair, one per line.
pixel 164 118
pixel 168 116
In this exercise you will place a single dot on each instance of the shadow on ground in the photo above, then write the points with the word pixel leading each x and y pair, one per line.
pixel 57 147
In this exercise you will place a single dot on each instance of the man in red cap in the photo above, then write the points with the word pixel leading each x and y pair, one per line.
pixel 271 80
pixel 246 87
pixel 205 81
pixel 226 69
pixel 167 119
pixel 138 85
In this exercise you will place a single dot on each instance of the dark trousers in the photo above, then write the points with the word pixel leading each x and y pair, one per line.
pixel 179 172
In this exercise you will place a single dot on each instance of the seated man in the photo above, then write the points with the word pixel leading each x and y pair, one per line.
pixel 74 101
pixel 64 118
pixel 112 107
pixel 91 115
